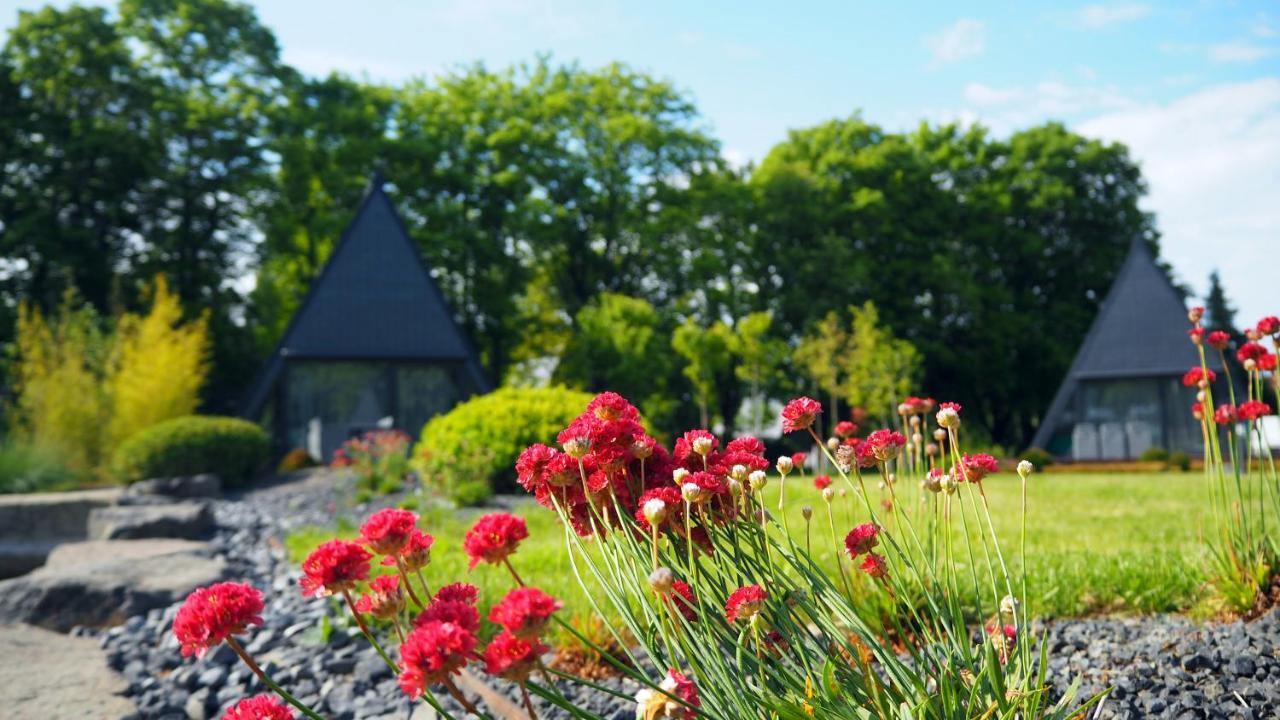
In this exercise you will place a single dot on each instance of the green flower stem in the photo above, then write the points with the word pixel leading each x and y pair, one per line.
pixel 266 680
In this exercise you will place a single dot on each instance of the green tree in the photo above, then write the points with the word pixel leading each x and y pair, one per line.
pixel 1219 312
pixel 708 354
pixel 619 343
pixel 760 356
pixel 880 369
pixel 818 355
pixel 75 118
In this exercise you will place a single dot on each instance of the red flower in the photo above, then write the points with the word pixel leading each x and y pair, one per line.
pixel 608 406
pixel 212 614
pixel 576 439
pixel 525 611
pixel 845 429
pixel 979 466
pixel 1197 409
pixel 709 483
pixel 333 567
pixel 1195 313
pixel 745 603
pixel 821 482
pixel 511 657
pixel 415 554
pixel 1224 415
pixel 1195 375
pixel 494 537
pixel 745 444
pixel 387 531
pixel 431 653
pixel 800 413
pixel 874 565
pixel 460 613
pixel 685 602
pixel 1253 410
pixel 953 406
pixel 261 707
pixel 1196 334
pixel 531 466
pixel 685 444
pixel 1269 325
pixel 1267 362
pixel 862 539
pixel 682 687
pixel 384 600
pixel 676 698
pixel 1218 340
pixel 1250 351
pixel 797 459
pixel 865 454
pixel 461 592
pixel 886 444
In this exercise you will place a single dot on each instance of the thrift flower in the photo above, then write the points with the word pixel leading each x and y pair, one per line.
pixel 388 530
pixel 494 538
pixel 212 614
pixel 260 707
pixel 431 653
pixel 800 414
pixel 525 611
pixel 334 567
pixel 745 603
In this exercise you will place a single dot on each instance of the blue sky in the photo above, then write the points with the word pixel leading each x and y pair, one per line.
pixel 1192 87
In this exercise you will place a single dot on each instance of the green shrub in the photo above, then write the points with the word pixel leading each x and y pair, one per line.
pixel 294 460
pixel 379 459
pixel 27 468
pixel 482 438
pixel 1155 454
pixel 232 448
pixel 1179 460
pixel 1038 457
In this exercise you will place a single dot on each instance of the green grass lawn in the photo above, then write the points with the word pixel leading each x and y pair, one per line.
pixel 1095 543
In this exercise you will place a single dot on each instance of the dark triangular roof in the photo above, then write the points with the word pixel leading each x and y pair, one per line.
pixel 374 299
pixel 1140 332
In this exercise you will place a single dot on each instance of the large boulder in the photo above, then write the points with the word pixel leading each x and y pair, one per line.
pixel 187 521
pixel 103 582
pixel 33 524
pixel 57 677
pixel 206 485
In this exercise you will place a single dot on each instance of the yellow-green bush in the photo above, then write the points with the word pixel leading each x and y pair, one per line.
pixel 477 442
pixel 296 459
pixel 232 448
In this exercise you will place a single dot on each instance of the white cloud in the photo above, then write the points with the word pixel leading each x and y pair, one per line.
pixel 1005 109
pixel 1097 16
pixel 963 39
pixel 1238 51
pixel 1212 160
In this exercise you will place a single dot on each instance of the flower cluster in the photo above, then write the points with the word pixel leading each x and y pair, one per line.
pixel 259 707
pixel 213 614
pixel 494 538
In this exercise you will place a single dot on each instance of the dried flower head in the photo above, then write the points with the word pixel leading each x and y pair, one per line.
pixel 660 580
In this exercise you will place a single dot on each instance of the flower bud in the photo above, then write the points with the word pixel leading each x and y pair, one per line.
pixel 1009 605
pixel 1252 335
pixel 893 478
pixel 1251 365
pixel 738 472
pixel 843 492
pixel 678 475
pixel 577 448
pixel 828 494
pixel 1194 314
pixel 1200 396
pixel 1025 468
pixel 933 481
pixel 948 484
pixel 661 580
pixel 948 418
pixel 655 511
pixel 702 446
pixel 833 443
pixel 785 465
pixel 917 438
pixel 807 512
pixel 735 487
pixel 641 451
pixel 930 449
pixel 915 421
pixel 881 485
pixel 904 408
pixel 758 479
pixel 691 493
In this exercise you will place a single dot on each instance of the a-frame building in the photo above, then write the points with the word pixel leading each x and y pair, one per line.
pixel 1123 393
pixel 374 343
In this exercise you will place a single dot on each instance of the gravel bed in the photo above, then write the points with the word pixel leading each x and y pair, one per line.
pixel 1155 667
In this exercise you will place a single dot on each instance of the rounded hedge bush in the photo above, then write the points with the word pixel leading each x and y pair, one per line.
pixel 231 448
pixel 483 437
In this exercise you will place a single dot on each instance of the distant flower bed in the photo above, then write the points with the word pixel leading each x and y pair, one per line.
pixel 378 458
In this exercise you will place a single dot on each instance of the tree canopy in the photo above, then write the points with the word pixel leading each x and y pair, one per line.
pixel 551 201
